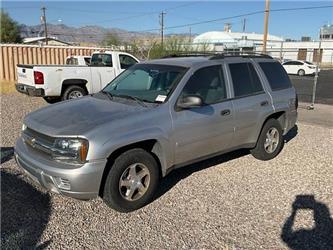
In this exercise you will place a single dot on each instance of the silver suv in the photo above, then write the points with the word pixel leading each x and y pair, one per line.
pixel 157 116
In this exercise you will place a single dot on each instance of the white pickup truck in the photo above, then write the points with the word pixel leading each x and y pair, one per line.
pixel 63 82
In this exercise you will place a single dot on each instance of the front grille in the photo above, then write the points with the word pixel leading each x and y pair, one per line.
pixel 38 141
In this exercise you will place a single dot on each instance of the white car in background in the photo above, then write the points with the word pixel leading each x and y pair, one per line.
pixel 299 67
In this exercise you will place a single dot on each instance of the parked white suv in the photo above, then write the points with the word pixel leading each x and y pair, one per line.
pixel 299 67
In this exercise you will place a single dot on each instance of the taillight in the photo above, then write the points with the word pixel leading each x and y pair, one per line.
pixel 39 77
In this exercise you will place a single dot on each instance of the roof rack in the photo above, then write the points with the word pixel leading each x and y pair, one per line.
pixel 219 55
pixel 248 54
pixel 188 54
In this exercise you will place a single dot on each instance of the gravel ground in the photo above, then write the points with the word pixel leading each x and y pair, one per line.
pixel 231 202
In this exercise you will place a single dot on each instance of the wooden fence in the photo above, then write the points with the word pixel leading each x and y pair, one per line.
pixel 13 54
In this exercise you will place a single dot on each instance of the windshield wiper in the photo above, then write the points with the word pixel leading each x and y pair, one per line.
pixel 138 100
pixel 108 94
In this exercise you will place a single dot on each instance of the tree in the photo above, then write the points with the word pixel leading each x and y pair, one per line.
pixel 10 32
pixel 111 39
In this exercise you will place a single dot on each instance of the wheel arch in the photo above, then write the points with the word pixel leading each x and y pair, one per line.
pixel 75 81
pixel 152 146
pixel 280 116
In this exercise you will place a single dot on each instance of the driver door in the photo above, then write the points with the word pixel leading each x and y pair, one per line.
pixel 205 130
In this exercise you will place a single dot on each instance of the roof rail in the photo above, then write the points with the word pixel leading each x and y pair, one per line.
pixel 218 55
pixel 189 54
pixel 239 54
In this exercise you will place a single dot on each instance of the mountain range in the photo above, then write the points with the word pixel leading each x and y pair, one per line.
pixel 85 35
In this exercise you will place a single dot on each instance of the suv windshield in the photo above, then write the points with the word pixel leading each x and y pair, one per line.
pixel 147 82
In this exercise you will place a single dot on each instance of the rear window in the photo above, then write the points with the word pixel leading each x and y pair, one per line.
pixel 245 79
pixel 276 75
pixel 72 61
pixel 101 60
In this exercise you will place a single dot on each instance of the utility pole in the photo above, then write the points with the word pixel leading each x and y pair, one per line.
pixel 44 21
pixel 162 26
pixel 190 30
pixel 281 52
pixel 265 26
pixel 244 24
pixel 318 59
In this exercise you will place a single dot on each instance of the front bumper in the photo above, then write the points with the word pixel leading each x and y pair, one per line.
pixel 82 182
pixel 29 90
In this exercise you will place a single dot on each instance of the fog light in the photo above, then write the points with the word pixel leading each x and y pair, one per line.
pixel 62 183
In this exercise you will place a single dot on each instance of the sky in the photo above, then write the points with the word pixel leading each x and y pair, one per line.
pixel 144 15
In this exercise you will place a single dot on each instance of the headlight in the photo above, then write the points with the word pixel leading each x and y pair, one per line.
pixel 72 150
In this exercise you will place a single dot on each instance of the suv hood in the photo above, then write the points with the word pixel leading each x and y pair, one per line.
pixel 76 117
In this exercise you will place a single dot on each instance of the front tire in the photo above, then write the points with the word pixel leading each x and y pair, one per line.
pixel 270 141
pixel 132 181
pixel 73 92
pixel 301 72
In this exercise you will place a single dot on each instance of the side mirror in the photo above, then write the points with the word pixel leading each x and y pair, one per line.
pixel 189 102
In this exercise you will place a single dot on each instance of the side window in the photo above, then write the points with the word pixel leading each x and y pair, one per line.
pixel 208 83
pixel 72 61
pixel 245 79
pixel 276 75
pixel 87 60
pixel 288 63
pixel 126 61
pixel 298 63
pixel 101 60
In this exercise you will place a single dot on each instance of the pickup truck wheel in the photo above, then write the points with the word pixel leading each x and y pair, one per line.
pixel 73 92
pixel 50 99
pixel 270 141
pixel 131 181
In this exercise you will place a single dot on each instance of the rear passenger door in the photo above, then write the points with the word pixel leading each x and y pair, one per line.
pixel 250 101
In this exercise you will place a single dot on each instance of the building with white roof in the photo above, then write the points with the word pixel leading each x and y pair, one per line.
pixel 276 46
pixel 224 40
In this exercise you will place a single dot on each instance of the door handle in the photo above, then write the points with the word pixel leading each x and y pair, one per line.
pixel 264 103
pixel 225 112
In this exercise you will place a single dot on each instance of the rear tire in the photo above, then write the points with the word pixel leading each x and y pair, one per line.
pixel 125 190
pixel 301 72
pixel 270 141
pixel 51 99
pixel 73 92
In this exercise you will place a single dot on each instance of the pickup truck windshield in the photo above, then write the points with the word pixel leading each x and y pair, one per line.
pixel 147 82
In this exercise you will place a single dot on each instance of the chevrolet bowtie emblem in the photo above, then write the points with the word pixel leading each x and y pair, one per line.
pixel 32 142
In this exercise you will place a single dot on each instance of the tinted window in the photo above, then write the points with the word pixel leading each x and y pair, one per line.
pixel 101 60
pixel 245 79
pixel 208 83
pixel 288 63
pixel 126 61
pixel 87 60
pixel 72 61
pixel 298 63
pixel 276 75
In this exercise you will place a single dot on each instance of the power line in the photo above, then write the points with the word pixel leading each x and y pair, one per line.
pixel 230 17
pixel 246 14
